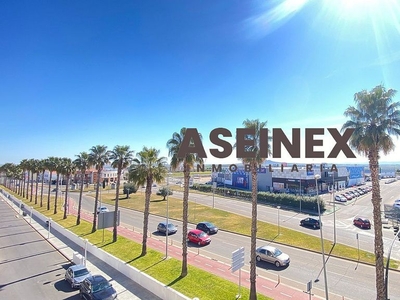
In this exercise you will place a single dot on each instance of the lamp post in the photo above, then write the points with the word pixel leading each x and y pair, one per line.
pixel 317 176
pixel 387 265
pixel 279 228
pixel 334 208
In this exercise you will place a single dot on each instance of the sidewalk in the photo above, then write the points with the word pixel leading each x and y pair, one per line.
pixel 274 288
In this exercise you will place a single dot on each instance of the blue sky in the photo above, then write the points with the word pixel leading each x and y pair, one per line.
pixel 75 74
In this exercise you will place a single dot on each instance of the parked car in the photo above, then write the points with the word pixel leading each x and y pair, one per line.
pixel 351 196
pixel 272 255
pixel 340 198
pixel 97 287
pixel 198 237
pixel 355 193
pixel 362 222
pixel 396 204
pixel 75 275
pixel 162 228
pixel 310 222
pixel 347 196
pixel 207 227
pixel 102 209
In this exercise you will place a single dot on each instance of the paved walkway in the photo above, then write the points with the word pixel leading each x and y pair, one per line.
pixel 274 288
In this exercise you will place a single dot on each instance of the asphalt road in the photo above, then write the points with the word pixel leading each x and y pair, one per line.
pixel 345 278
pixel 24 252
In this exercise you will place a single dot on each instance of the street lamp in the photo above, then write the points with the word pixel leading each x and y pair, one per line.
pixel 334 208
pixel 387 264
pixel 317 176
pixel 279 228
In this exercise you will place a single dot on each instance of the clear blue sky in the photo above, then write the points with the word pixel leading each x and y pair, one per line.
pixel 75 74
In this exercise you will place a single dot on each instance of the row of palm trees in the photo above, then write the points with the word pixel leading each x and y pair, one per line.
pixel 375 117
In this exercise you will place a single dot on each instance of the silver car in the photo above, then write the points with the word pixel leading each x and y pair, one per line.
pixel 76 274
pixel 272 255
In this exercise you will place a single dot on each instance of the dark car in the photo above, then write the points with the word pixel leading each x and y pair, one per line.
pixel 96 287
pixel 207 227
pixel 198 237
pixel 75 275
pixel 362 222
pixel 162 228
pixel 310 222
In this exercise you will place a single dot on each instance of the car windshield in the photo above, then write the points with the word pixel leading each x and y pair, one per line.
pixel 277 252
pixel 208 224
pixel 100 286
pixel 202 234
pixel 81 272
pixel 171 226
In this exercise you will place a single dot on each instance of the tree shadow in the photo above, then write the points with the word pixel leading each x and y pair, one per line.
pixel 149 267
pixel 175 281
pixel 158 200
pixel 135 258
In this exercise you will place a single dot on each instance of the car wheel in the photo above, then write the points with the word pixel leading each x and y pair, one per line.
pixel 258 258
pixel 277 264
pixel 315 226
pixel 208 232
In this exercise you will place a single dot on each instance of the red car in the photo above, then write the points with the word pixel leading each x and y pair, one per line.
pixel 198 237
pixel 362 222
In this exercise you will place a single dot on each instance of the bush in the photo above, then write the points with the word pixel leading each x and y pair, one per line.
pixel 130 188
pixel 267 198
pixel 164 192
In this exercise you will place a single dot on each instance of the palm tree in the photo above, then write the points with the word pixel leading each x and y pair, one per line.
pixel 50 164
pixel 37 170
pixel 147 168
pixel 259 128
pixel 98 157
pixel 42 168
pixel 374 119
pixel 59 167
pixel 69 168
pixel 120 157
pixel 24 166
pixel 187 163
pixel 82 163
pixel 33 165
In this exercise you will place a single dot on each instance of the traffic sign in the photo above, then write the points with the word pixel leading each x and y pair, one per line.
pixel 237 259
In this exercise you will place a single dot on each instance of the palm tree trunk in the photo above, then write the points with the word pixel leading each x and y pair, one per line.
pixel 78 219
pixel 95 202
pixel 115 230
pixel 23 184
pixel 48 194
pixel 37 187
pixel 376 204
pixel 185 203
pixel 27 186
pixel 31 197
pixel 41 190
pixel 56 198
pixel 66 198
pixel 253 238
pixel 146 215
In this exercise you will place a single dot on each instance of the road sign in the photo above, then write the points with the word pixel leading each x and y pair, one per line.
pixel 237 259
